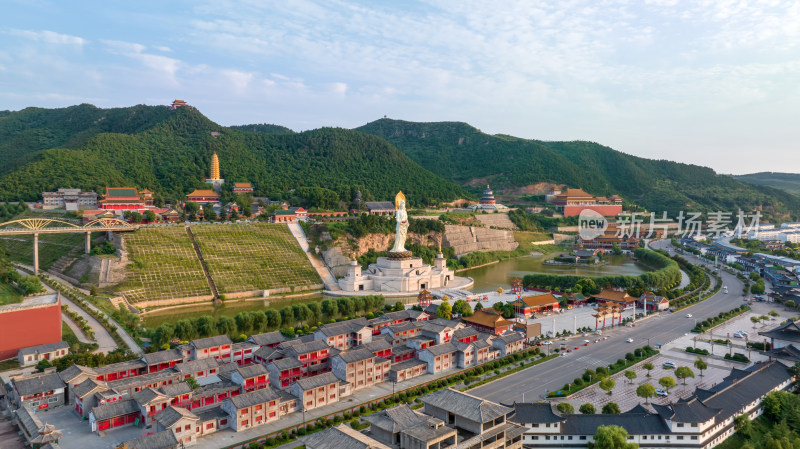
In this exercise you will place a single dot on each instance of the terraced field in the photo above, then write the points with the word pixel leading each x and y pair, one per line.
pixel 163 265
pixel 253 256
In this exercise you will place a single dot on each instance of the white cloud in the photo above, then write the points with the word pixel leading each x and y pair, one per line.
pixel 49 37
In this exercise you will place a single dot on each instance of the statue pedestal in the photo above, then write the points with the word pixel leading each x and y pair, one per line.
pixel 409 275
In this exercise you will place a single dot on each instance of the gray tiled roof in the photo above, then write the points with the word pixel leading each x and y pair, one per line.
pixel 317 381
pixel 287 363
pixel 256 397
pixel 266 352
pixel 162 357
pixel 443 348
pixel 88 386
pixel 115 409
pixel 214 388
pixel 144 379
pixel 635 424
pixel 380 205
pixel 396 328
pixel 732 394
pixel 160 440
pixel 176 389
pixel 356 355
pixel 210 342
pixel 37 383
pixel 306 348
pixel 465 332
pixel 171 415
pixel 510 337
pixel 466 405
pixel 73 371
pixel 41 349
pixel 406 364
pixel 148 395
pixel 343 327
pixel 252 370
pixel 341 437
pixel 692 411
pixel 535 412
pixel 397 418
pixel 121 366
pixel 269 338
pixel 194 366
pixel 380 343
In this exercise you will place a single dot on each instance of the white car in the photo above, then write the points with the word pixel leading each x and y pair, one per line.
pixel 688 315
pixel 660 392
pixel 630 340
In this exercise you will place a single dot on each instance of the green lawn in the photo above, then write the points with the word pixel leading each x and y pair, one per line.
pixel 9 295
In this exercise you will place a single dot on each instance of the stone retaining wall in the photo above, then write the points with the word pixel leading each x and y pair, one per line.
pixel 466 239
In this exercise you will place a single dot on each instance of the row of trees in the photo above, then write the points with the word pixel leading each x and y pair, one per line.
pixel 247 323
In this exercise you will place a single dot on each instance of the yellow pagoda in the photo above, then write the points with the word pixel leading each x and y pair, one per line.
pixel 215 180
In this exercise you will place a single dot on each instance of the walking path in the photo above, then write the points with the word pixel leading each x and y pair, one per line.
pixel 104 340
pixel 75 329
pixel 324 273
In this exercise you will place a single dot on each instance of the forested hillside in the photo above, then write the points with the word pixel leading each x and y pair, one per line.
pixel 467 156
pixel 172 157
pixel 265 128
pixel 789 182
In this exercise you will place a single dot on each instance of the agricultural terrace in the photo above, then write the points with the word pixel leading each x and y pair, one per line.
pixel 253 256
pixel 163 265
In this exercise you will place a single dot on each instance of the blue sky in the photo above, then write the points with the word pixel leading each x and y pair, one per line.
pixel 708 82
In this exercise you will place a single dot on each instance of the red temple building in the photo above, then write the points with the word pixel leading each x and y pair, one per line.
pixel 123 198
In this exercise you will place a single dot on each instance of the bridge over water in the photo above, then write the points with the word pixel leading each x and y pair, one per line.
pixel 36 226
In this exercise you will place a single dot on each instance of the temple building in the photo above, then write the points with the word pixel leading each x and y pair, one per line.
pixel 571 202
pixel 242 187
pixel 488 202
pixel 215 180
pixel 203 196
pixel 488 196
pixel 124 199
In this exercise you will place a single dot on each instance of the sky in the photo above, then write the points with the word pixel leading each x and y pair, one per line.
pixel 713 83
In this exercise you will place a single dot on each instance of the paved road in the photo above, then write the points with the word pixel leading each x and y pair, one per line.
pixel 534 382
pixel 75 329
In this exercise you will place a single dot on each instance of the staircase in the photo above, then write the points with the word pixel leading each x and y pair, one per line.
pixel 203 264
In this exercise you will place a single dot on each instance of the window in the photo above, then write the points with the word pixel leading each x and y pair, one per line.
pixel 583 437
pixel 178 429
pixel 680 437
pixel 187 427
pixel 694 437
pixel 680 424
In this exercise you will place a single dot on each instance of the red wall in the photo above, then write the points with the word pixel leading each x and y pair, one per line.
pixel 29 327
pixel 606 210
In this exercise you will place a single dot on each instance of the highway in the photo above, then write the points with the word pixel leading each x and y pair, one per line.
pixel 531 384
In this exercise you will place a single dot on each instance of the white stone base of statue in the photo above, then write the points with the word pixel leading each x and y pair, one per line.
pixel 407 275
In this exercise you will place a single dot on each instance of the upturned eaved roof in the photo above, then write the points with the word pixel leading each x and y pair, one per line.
pixel 537 300
pixel 487 319
pixel 788 331
pixel 466 405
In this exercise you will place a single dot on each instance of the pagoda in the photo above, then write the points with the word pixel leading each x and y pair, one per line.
pixel 215 180
pixel 424 298
pixel 488 196
pixel 516 286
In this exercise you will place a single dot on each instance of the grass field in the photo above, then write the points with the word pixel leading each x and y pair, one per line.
pixel 253 256
pixel 163 265
pixel 9 295
pixel 51 247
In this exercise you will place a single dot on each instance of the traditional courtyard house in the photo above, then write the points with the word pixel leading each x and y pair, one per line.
pixel 199 369
pixel 313 355
pixel 488 321
pixel 316 391
pixel 161 360
pixel 181 422
pixel 420 343
pixel 128 387
pixel 380 207
pixel 242 353
pixel 466 335
pixel 122 199
pixel 651 301
pixel 702 420
pixel 117 414
pixel 180 394
pixel 391 318
pixel 380 347
pixel 284 372
pixel 210 420
pixel 34 354
pixel 213 394
pixel 74 375
pixel 509 343
pixel 401 426
pixel 402 353
pixel 160 440
pixel 121 370
pixel 38 391
pixel 203 196
pixel 266 354
pixel 484 423
pixel 151 402
pixel 402 332
pixel 620 298
pixel 475 353
pixel 439 358
pixel 218 347
pixel 341 437
pixel 408 369
pixel 784 335
pixel 254 409
pixel 268 339
pixel 242 187
pixel 36 434
pixel 345 334
pixel 86 397
pixel 360 368
pixel 249 378
pixel 440 333
pixel 531 305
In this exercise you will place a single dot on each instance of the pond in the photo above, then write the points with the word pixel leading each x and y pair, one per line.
pixel 500 274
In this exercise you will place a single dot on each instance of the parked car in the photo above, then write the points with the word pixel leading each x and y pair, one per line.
pixel 660 392
pixel 630 340
pixel 688 315
pixel 669 365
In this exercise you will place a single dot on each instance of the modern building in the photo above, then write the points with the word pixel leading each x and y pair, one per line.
pixel 69 199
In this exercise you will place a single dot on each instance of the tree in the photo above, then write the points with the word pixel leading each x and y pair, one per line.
pixel 682 372
pixel 478 307
pixel 192 382
pixel 462 307
pixel 587 409
pixel 789 303
pixel 630 375
pixel 648 366
pixel 611 408
pixel 150 216
pixel 398 307
pixel 191 207
pixel 43 365
pixel 701 365
pixel 566 408
pixel 608 384
pixel 667 382
pixel 500 290
pixel 612 437
pixel 646 391
pixel 445 310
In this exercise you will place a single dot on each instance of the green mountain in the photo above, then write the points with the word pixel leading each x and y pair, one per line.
pixel 170 153
pixel 463 154
pixel 789 182
pixel 265 128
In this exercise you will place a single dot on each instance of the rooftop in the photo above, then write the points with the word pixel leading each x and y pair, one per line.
pixel 317 381
pixel 210 342
pixel 160 440
pixel 37 384
pixel 41 349
pixel 341 437
pixel 466 405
